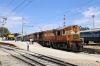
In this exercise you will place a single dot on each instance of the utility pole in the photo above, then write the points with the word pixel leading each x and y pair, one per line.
pixel 4 21
pixel 2 30
pixel 64 22
pixel 22 27
pixel 93 21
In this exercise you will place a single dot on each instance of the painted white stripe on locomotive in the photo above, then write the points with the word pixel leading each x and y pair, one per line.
pixel 71 32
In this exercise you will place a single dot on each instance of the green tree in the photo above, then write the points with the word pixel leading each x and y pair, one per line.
pixel 5 32
pixel 84 28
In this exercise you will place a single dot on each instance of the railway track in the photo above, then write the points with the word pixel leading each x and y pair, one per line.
pixel 96 44
pixel 92 48
pixel 34 59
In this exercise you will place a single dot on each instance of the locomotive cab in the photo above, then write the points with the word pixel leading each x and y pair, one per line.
pixel 76 42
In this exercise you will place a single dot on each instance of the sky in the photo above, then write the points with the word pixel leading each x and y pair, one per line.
pixel 41 15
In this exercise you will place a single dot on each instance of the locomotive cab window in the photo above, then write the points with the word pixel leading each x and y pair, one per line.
pixel 63 31
pixel 54 32
pixel 58 32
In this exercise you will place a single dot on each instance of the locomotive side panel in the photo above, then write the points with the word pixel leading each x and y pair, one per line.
pixel 47 38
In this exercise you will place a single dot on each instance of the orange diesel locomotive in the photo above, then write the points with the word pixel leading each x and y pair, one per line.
pixel 67 38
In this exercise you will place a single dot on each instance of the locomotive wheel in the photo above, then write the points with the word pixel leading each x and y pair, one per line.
pixel 80 47
pixel 65 47
pixel 47 45
pixel 72 47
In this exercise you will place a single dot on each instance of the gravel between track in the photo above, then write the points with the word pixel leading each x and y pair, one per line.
pixel 7 60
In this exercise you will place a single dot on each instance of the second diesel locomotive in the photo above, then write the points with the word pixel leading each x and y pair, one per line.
pixel 67 38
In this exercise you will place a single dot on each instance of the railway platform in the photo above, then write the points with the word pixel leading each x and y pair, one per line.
pixel 63 55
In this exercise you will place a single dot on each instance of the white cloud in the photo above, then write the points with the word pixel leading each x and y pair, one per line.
pixel 74 10
pixel 87 19
pixel 13 22
pixel 81 21
pixel 91 11
pixel 46 27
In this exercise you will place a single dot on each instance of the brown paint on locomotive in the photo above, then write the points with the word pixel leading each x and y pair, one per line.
pixel 30 36
pixel 65 38
pixel 35 36
pixel 48 35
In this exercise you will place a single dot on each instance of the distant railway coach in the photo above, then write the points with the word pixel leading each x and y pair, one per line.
pixel 66 38
pixel 91 35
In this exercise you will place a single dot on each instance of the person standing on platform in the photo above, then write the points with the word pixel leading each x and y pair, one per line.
pixel 32 41
pixel 28 45
pixel 15 39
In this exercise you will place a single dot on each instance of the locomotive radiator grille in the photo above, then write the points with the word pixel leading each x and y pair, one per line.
pixel 75 36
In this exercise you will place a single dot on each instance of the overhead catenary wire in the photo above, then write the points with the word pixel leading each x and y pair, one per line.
pixel 69 10
pixel 59 14
pixel 7 6
pixel 72 15
pixel 69 16
pixel 22 8
pixel 15 8
pixel 30 21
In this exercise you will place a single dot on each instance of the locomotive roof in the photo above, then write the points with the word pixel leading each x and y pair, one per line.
pixel 61 28
pixel 90 30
